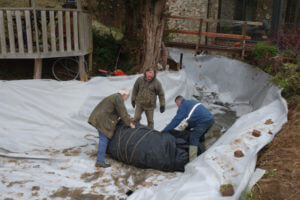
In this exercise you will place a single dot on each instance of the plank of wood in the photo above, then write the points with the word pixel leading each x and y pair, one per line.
pixel 244 39
pixel 2 34
pixel 75 31
pixel 216 20
pixel 44 31
pixel 20 32
pixel 60 32
pixel 86 31
pixel 81 31
pixel 28 31
pixel 37 43
pixel 82 68
pixel 52 31
pixel 35 55
pixel 37 68
pixel 11 34
pixel 209 34
pixel 68 31
pixel 199 36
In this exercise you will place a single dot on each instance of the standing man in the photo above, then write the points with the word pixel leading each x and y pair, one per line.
pixel 105 117
pixel 200 121
pixel 144 93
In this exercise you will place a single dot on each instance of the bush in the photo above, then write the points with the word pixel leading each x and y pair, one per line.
pixel 288 78
pixel 106 50
pixel 109 53
pixel 263 50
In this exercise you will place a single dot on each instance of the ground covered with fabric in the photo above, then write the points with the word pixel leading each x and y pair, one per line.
pixel 281 160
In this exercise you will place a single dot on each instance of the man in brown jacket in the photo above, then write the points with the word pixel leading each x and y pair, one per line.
pixel 105 117
pixel 144 93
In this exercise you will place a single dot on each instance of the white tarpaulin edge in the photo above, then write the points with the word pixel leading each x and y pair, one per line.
pixel 235 82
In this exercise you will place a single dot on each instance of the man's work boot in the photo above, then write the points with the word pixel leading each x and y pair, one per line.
pixel 192 152
pixel 102 164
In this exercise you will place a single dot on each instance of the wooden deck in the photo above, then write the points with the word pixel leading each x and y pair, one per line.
pixel 43 33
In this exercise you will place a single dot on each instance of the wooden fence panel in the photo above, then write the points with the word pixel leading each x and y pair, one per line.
pixel 2 34
pixel 68 31
pixel 75 30
pixel 44 32
pixel 20 32
pixel 11 32
pixel 60 32
pixel 52 31
pixel 28 31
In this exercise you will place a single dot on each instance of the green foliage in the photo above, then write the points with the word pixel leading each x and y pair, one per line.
pixel 270 172
pixel 288 78
pixel 289 54
pixel 108 53
pixel 246 195
pixel 263 50
pixel 285 75
pixel 106 50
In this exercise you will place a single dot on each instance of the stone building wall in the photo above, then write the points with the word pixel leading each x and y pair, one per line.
pixel 190 8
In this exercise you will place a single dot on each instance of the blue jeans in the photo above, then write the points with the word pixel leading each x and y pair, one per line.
pixel 103 140
pixel 198 133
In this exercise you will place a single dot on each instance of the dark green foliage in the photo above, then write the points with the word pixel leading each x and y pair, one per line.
pixel 109 54
pixel 285 72
pixel 288 78
pixel 264 50
pixel 106 50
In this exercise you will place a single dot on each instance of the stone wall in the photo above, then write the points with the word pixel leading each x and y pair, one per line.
pixel 190 8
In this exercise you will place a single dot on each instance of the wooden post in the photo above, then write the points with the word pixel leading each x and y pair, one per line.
pixel 180 62
pixel 91 47
pixel 82 68
pixel 244 39
pixel 79 7
pixel 32 3
pixel 199 36
pixel 37 68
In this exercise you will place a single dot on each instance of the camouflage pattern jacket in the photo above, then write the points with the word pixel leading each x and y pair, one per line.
pixel 106 114
pixel 144 93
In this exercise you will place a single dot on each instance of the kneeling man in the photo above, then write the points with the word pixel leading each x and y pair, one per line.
pixel 200 120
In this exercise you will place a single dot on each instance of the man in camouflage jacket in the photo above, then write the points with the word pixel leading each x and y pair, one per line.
pixel 105 117
pixel 144 93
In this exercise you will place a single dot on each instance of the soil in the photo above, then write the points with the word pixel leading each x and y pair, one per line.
pixel 281 160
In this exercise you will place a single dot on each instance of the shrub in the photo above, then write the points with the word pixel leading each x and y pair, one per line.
pixel 106 50
pixel 288 78
pixel 109 53
pixel 264 50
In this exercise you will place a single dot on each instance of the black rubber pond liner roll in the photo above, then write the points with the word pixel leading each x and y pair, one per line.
pixel 144 147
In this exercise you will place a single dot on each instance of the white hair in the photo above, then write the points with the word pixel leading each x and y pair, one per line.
pixel 123 91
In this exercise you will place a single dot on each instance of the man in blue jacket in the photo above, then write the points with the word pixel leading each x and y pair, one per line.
pixel 200 121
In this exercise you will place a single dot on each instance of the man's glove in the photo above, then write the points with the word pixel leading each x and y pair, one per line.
pixel 133 104
pixel 162 109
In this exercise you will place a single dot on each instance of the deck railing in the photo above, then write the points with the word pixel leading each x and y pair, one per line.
pixel 44 33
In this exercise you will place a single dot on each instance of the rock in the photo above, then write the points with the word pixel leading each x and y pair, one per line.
pixel 270 133
pixel 256 133
pixel 226 190
pixel 269 121
pixel 238 154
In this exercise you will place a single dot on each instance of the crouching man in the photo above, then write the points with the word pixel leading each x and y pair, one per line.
pixel 199 120
pixel 105 117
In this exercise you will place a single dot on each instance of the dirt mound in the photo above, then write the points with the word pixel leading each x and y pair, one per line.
pixel 281 160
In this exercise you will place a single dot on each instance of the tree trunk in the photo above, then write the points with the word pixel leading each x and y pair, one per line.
pixel 144 30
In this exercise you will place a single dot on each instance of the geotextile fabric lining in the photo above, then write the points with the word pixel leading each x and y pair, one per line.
pixel 42 119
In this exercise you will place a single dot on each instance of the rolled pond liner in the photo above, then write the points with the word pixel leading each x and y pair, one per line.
pixel 145 147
